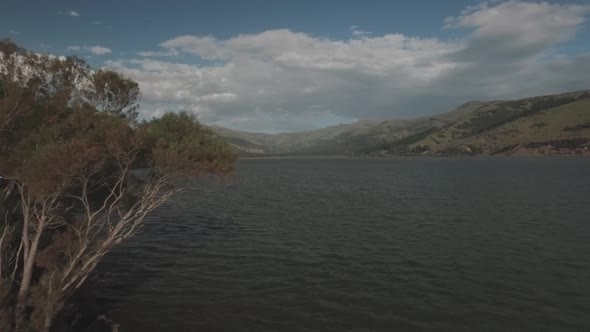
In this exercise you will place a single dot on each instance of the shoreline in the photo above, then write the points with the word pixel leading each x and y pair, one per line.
pixel 515 156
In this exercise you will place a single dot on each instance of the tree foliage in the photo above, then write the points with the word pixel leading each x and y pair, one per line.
pixel 78 174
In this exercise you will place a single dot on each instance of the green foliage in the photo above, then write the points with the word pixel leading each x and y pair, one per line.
pixel 177 143
pixel 8 47
pixel 115 94
pixel 66 155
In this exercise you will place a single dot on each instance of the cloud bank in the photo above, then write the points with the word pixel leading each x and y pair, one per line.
pixel 281 80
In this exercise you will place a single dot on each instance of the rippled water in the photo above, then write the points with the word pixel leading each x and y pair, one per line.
pixel 365 245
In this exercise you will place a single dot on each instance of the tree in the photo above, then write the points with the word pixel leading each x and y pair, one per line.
pixel 78 175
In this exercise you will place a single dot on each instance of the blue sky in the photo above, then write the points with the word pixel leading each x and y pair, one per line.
pixel 294 65
pixel 131 26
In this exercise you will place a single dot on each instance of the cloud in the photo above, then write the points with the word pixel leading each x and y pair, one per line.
pixel 513 46
pixel 96 22
pixel 205 47
pixel 96 50
pixel 99 50
pixel 360 33
pixel 149 54
pixel 70 12
pixel 356 32
pixel 14 32
pixel 281 80
pixel 517 29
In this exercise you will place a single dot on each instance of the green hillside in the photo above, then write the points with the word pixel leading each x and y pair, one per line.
pixel 553 124
pixel 505 127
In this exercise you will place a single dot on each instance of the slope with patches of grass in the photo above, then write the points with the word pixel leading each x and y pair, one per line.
pixel 495 115
pixel 561 127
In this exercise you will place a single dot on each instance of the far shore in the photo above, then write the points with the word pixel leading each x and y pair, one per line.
pixel 515 156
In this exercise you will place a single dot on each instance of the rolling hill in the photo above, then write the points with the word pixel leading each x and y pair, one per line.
pixel 542 125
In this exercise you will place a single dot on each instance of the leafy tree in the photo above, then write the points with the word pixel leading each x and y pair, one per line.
pixel 78 175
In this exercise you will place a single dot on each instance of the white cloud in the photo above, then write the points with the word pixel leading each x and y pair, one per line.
pixel 283 80
pixel 149 54
pixel 205 47
pixel 360 33
pixel 356 32
pixel 96 22
pixel 516 28
pixel 73 13
pixel 99 50
pixel 96 50
pixel 14 32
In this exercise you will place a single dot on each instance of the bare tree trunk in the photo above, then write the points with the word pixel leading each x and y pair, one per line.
pixel 50 306
pixel 19 320
pixel 20 309
pixel 28 267
pixel 23 292
pixel 4 233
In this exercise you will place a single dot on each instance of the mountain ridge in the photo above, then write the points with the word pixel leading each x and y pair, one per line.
pixel 526 126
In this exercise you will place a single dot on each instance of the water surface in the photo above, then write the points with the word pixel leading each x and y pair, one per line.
pixel 365 245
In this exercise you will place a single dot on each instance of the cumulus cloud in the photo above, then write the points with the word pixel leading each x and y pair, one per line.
pixel 96 50
pixel 517 29
pixel 281 80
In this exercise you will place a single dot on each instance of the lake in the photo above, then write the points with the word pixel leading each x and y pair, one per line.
pixel 345 244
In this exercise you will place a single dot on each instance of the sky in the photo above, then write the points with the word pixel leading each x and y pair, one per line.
pixel 277 65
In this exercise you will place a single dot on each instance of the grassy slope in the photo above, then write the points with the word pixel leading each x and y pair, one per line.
pixel 498 124
pixel 550 125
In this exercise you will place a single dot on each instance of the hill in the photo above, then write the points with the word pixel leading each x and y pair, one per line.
pixel 556 124
pixel 542 125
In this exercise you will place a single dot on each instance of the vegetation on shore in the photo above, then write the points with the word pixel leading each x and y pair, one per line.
pixel 78 175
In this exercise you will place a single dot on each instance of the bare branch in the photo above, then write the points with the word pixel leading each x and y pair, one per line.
pixel 4 235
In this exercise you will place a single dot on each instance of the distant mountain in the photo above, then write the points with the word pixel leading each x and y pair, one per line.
pixel 543 125
pixel 288 143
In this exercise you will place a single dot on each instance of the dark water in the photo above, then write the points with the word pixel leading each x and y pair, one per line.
pixel 365 245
